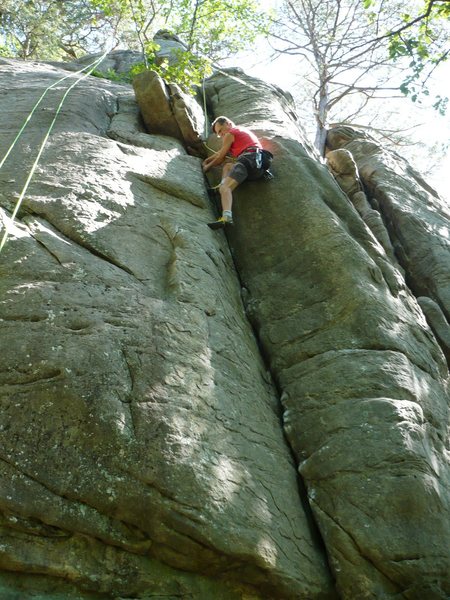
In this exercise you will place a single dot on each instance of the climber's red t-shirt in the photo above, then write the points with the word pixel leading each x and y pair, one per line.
pixel 243 139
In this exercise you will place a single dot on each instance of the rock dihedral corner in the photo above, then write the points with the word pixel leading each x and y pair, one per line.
pixel 167 110
pixel 416 220
pixel 142 452
pixel 364 382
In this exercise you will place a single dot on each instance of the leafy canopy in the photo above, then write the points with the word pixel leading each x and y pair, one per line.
pixel 421 36
pixel 210 29
pixel 345 66
pixel 52 29
pixel 59 29
pixel 356 54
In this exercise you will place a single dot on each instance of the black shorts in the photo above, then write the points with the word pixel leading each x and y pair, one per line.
pixel 245 168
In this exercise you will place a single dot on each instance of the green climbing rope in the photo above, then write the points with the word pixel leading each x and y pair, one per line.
pixel 90 68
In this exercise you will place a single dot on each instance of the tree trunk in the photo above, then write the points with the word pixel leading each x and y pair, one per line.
pixel 322 116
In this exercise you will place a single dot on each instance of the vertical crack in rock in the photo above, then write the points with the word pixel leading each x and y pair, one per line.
pixel 139 422
pixel 364 384
pixel 140 429
pixel 418 222
pixel 272 375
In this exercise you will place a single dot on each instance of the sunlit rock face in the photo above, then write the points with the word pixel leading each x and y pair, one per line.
pixel 117 61
pixel 417 220
pixel 166 110
pixel 182 421
pixel 142 453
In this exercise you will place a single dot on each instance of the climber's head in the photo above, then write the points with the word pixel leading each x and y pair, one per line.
pixel 221 125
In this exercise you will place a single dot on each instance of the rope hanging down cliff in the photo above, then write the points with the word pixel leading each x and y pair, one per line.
pixel 9 222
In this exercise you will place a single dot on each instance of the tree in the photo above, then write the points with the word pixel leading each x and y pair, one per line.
pixel 60 29
pixel 54 29
pixel 346 47
pixel 211 30
pixel 23 25
pixel 423 39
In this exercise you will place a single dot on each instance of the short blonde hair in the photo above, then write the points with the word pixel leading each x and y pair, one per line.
pixel 221 121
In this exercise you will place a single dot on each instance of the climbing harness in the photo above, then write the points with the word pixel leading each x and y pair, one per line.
pixel 258 158
pixel 10 221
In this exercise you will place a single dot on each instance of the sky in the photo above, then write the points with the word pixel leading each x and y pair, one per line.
pixel 435 128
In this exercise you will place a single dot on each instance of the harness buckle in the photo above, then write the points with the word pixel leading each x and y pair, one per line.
pixel 258 158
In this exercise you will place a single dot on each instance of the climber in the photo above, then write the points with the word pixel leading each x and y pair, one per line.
pixel 251 163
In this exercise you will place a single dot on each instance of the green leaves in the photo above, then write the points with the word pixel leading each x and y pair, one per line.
pixel 408 46
pixel 217 28
pixel 441 105
pixel 49 29
pixel 422 37
pixel 210 29
pixel 185 68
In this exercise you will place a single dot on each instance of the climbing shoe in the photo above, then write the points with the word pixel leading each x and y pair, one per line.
pixel 221 223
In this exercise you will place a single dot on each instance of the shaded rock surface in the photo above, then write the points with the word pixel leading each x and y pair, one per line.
pixel 363 381
pixel 344 169
pixel 153 425
pixel 170 46
pixel 141 450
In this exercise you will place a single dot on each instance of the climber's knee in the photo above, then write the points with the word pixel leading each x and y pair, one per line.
pixel 228 183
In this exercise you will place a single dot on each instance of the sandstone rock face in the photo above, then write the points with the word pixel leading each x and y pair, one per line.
pixel 417 219
pixel 170 46
pixel 157 434
pixel 167 110
pixel 364 383
pixel 344 169
pixel 140 441
pixel 119 61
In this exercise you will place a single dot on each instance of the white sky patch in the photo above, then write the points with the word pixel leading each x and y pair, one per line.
pixel 434 165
